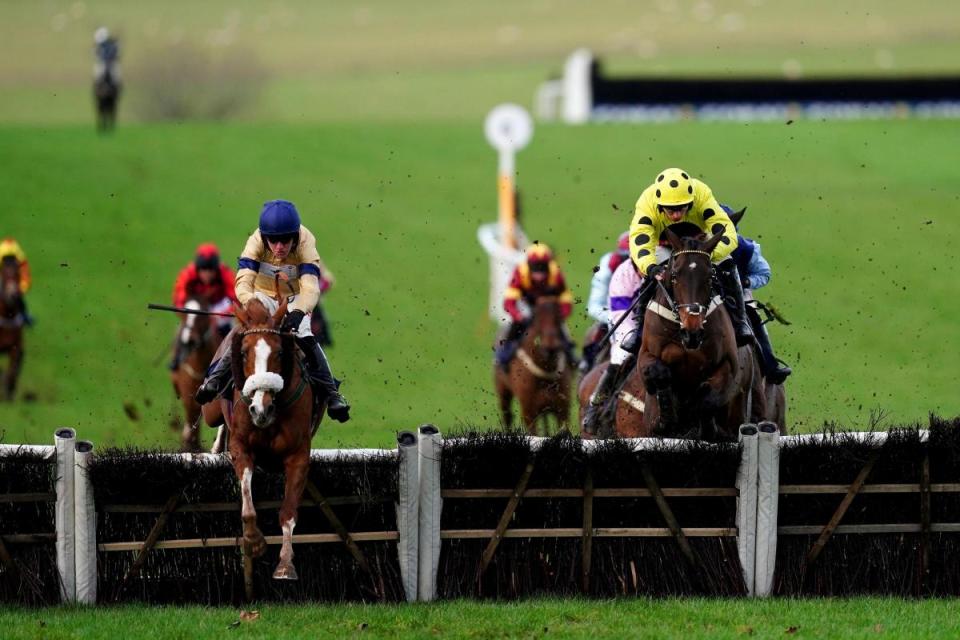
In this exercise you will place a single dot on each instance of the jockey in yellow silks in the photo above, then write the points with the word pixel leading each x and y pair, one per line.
pixel 282 245
pixel 10 247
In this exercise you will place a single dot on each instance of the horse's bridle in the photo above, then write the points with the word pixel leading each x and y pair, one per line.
pixel 294 394
pixel 692 308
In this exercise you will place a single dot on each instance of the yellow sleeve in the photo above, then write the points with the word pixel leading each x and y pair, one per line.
pixel 715 220
pixel 247 267
pixel 644 233
pixel 309 294
pixel 309 271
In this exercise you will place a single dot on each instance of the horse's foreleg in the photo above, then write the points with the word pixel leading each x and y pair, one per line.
pixel 296 468
pixel 505 396
pixel 252 537
pixel 13 371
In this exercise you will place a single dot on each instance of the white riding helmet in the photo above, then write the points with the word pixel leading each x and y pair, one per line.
pixel 100 35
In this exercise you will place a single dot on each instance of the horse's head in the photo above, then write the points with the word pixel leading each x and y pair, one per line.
pixel 194 329
pixel 262 359
pixel 547 325
pixel 691 277
pixel 9 279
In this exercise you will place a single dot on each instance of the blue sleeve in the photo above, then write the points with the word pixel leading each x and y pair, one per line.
pixel 758 269
pixel 599 287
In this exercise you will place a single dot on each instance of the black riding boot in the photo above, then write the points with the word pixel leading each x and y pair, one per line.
pixel 508 346
pixel 175 361
pixel 773 369
pixel 601 394
pixel 322 379
pixel 733 299
pixel 217 376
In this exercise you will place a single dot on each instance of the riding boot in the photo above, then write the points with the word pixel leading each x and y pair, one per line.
pixel 27 318
pixel 733 299
pixel 175 361
pixel 322 380
pixel 217 376
pixel 633 341
pixel 773 369
pixel 601 394
pixel 508 346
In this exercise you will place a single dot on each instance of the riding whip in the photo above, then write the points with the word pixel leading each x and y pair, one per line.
pixel 196 312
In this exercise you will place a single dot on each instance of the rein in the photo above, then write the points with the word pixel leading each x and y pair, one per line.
pixel 672 313
pixel 281 402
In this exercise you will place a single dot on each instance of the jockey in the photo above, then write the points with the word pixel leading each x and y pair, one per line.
pixel 676 197
pixel 600 283
pixel 755 273
pixel 210 279
pixel 539 275
pixel 282 245
pixel 10 247
pixel 107 50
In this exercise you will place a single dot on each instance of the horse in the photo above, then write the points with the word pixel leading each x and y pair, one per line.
pixel 271 420
pixel 693 371
pixel 627 416
pixel 106 94
pixel 197 341
pixel 539 375
pixel 11 323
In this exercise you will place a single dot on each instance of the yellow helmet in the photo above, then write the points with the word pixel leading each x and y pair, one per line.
pixel 538 252
pixel 674 188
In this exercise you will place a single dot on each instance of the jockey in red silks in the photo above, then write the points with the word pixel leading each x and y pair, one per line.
pixel 539 275
pixel 208 278
pixel 9 247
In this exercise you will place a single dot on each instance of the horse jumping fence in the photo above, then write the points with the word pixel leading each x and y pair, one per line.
pixel 494 515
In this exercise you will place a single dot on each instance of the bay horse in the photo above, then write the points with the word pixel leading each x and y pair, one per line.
pixel 630 398
pixel 539 374
pixel 197 341
pixel 271 420
pixel 11 323
pixel 699 384
pixel 106 94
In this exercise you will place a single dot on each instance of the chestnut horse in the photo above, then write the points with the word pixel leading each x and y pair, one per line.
pixel 271 420
pixel 626 420
pixel 699 384
pixel 11 323
pixel 539 374
pixel 197 341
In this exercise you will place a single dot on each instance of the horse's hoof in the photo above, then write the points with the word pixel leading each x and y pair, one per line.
pixel 285 573
pixel 257 546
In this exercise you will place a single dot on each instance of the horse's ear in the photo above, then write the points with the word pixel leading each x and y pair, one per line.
pixel 674 240
pixel 241 314
pixel 281 311
pixel 737 216
pixel 712 243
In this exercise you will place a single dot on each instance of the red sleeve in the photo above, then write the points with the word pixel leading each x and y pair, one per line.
pixel 229 280
pixel 511 307
pixel 180 289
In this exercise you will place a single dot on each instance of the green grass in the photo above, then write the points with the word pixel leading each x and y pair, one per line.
pixel 856 219
pixel 690 618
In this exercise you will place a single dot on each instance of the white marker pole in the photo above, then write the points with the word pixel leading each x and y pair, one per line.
pixel 508 128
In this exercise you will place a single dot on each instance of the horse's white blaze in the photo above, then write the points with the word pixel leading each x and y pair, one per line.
pixel 262 353
pixel 246 491
pixel 693 265
pixel 193 305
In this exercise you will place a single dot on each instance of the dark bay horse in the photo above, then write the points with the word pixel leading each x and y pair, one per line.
pixel 539 375
pixel 626 420
pixel 698 382
pixel 106 94
pixel 197 340
pixel 11 323
pixel 271 420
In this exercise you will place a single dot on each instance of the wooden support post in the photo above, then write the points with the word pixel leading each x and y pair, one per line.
pixel 924 523
pixel 248 591
pixel 587 530
pixel 829 528
pixel 505 519
pixel 28 579
pixel 338 526
pixel 667 514
pixel 148 544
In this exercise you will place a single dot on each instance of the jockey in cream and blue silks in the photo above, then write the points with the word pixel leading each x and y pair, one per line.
pixel 281 244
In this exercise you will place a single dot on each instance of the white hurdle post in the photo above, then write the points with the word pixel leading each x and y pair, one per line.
pixel 430 448
pixel 64 441
pixel 747 476
pixel 408 512
pixel 85 525
pixel 768 500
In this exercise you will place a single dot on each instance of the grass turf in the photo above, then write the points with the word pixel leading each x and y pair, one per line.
pixel 853 216
pixel 642 618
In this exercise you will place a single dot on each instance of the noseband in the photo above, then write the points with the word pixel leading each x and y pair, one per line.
pixel 268 380
pixel 692 308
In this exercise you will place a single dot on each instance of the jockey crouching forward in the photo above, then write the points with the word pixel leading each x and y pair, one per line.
pixel 537 276
pixel 208 278
pixel 282 245
pixel 597 306
pixel 10 248
pixel 676 197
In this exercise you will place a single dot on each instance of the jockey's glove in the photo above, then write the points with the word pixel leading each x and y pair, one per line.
pixel 654 269
pixel 291 322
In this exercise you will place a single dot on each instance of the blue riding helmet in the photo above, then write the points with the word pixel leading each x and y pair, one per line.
pixel 279 218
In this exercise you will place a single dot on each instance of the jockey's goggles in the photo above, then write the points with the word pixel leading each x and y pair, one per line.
pixel 674 208
pixel 539 267
pixel 282 239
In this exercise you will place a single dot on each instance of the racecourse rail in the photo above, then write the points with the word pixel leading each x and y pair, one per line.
pixel 495 515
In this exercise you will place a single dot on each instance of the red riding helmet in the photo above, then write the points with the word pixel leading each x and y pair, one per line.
pixel 207 257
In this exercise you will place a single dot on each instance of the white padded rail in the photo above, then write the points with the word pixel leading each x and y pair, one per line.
pixel 431 505
pixel 85 526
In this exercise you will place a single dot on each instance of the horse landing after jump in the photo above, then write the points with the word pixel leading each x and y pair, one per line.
pixel 11 323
